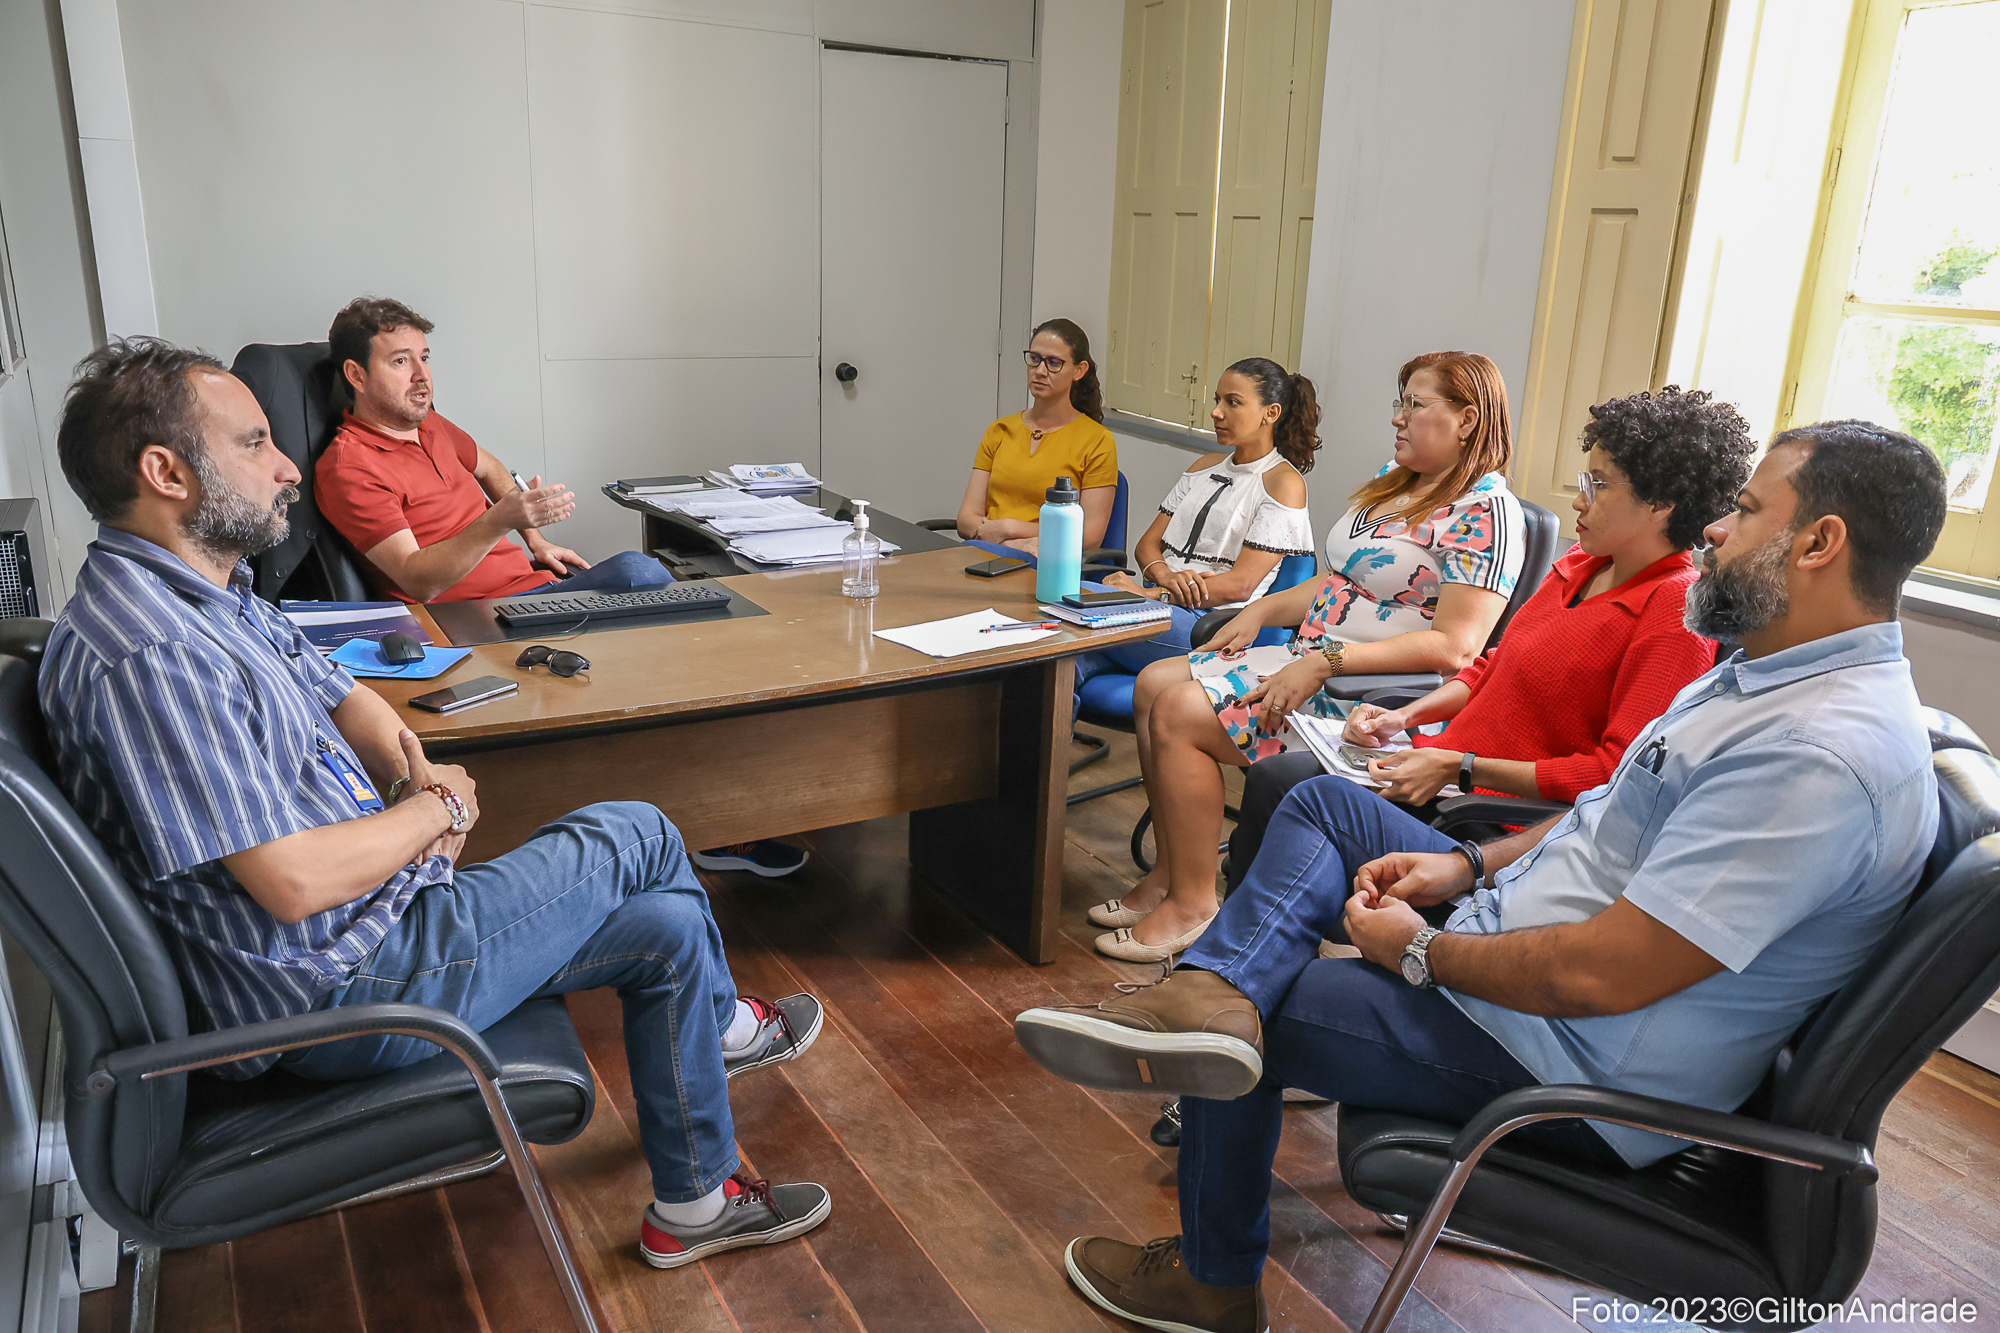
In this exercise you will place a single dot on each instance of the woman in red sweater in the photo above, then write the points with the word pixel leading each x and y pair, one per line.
pixel 1599 650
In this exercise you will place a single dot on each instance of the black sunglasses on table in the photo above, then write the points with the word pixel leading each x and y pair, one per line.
pixel 559 661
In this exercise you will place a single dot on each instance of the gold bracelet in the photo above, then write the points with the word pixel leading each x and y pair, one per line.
pixel 1149 564
pixel 1335 654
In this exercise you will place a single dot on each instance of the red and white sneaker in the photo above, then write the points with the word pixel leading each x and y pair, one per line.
pixel 755 1212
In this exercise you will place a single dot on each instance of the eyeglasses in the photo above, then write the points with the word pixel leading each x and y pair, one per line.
pixel 1409 405
pixel 1052 364
pixel 559 661
pixel 1591 485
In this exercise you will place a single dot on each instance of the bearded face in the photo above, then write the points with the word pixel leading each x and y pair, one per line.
pixel 1743 596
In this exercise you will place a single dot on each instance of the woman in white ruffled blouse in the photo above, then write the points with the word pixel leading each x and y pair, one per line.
pixel 1231 518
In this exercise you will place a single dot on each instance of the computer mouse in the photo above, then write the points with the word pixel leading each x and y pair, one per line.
pixel 399 649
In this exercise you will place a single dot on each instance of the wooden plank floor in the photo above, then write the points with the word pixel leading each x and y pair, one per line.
pixel 958 1169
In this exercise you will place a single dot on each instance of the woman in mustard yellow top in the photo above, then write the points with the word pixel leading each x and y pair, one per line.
pixel 1061 434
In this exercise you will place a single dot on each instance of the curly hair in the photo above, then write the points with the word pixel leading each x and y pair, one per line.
pixel 1680 448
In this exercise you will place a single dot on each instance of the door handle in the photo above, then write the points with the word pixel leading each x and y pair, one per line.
pixel 845 373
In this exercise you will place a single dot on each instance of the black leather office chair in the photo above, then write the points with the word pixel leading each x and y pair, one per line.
pixel 1778 1200
pixel 172 1160
pixel 296 386
pixel 1948 733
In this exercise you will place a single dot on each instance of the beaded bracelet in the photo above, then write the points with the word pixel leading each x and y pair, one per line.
pixel 451 803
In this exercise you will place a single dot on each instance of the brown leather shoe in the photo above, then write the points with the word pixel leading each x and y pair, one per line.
pixel 1193 1035
pixel 1148 1284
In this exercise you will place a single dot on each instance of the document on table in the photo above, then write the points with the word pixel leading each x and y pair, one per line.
pixel 961 634
pixel 730 525
pixel 808 545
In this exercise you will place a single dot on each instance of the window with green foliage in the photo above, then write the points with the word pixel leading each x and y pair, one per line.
pixel 1904 321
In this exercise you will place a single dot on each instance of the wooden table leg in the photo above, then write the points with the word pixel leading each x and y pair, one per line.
pixel 1000 858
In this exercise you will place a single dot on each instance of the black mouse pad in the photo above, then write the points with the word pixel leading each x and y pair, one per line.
pixel 468 624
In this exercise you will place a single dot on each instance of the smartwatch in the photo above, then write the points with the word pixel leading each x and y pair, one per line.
pixel 1416 961
pixel 1465 764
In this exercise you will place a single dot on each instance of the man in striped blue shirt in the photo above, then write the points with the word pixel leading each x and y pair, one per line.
pixel 232 774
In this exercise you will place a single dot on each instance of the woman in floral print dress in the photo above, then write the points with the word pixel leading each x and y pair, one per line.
pixel 1417 573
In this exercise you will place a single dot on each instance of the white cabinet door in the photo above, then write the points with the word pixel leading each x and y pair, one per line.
pixel 912 171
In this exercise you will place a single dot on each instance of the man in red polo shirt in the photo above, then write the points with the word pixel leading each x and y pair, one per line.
pixel 427 507
pixel 431 510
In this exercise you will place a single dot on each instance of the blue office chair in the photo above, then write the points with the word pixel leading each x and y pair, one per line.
pixel 1098 561
pixel 1106 700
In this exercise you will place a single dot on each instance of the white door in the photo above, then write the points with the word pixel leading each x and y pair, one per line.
pixel 912 170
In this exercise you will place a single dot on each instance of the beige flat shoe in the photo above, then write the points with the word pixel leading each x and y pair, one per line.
pixel 1113 914
pixel 1119 944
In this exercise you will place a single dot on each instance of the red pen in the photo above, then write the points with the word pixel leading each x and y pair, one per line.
pixel 1024 624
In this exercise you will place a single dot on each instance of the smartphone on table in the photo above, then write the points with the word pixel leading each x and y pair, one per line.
pixel 465 694
pixel 1110 597
pixel 990 569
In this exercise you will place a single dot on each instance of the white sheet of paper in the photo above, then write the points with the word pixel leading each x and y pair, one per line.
pixel 1323 736
pixel 777 548
pixel 960 634
pixel 729 525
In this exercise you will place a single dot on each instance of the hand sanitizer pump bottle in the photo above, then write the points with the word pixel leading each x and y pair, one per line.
pixel 1059 549
pixel 858 555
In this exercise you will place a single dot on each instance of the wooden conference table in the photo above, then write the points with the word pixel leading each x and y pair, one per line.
pixel 801 719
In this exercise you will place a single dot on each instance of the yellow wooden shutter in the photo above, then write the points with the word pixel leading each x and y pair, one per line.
pixel 1622 173
pixel 1269 166
pixel 1169 125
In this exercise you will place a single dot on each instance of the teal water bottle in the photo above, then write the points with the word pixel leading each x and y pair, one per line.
pixel 1059 551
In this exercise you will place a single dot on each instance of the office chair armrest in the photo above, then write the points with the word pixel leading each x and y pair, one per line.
pixel 1207 627
pixel 939 524
pixel 1760 1138
pixel 1109 556
pixel 180 1054
pixel 1360 687
pixel 1522 810
pixel 1394 696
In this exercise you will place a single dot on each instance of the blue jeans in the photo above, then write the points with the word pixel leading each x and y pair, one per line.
pixel 619 573
pixel 1174 640
pixel 1343 1029
pixel 601 897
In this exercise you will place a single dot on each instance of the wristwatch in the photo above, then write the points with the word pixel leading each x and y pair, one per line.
pixel 1417 959
pixel 1465 764
pixel 1335 653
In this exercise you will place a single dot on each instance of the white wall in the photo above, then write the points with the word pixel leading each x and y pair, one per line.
pixel 1437 155
pixel 1954 668
pixel 48 237
pixel 611 210
pixel 1077 169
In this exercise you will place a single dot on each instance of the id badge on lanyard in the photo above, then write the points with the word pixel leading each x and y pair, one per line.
pixel 350 778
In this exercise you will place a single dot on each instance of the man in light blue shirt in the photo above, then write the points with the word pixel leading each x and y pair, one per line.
pixel 1666 936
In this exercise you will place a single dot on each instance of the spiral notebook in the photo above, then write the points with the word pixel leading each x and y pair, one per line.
pixel 1104 617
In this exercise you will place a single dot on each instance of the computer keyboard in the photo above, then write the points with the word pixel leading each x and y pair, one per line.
pixel 579 608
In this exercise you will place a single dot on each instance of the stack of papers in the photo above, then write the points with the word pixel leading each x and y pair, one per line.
pixel 962 634
pixel 765 477
pixel 327 625
pixel 802 546
pixel 768 529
